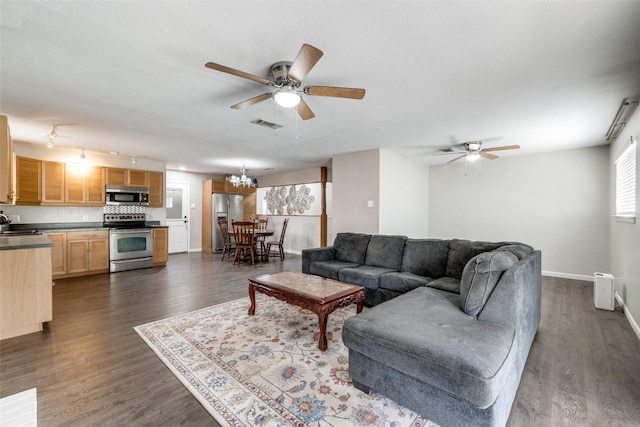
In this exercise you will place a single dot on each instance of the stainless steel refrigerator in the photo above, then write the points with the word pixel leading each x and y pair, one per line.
pixel 227 207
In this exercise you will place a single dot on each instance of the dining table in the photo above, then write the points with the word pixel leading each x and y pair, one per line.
pixel 260 237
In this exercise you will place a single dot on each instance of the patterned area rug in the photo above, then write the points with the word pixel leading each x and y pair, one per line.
pixel 266 370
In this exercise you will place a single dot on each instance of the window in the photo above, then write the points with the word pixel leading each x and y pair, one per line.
pixel 626 182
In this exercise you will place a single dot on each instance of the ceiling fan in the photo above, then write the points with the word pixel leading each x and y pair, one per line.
pixel 286 79
pixel 473 151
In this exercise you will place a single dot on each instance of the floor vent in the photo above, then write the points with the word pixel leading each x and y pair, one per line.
pixel 266 124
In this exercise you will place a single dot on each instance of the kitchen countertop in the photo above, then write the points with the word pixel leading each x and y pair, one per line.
pixel 24 242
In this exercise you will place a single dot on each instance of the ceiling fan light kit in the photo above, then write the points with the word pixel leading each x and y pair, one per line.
pixel 286 78
pixel 287 99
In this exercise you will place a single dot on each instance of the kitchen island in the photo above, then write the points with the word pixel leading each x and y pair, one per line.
pixel 25 284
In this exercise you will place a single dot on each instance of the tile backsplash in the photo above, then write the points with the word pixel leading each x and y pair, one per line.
pixel 45 214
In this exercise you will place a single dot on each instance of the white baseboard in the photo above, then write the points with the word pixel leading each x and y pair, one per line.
pixel 632 321
pixel 195 250
pixel 568 276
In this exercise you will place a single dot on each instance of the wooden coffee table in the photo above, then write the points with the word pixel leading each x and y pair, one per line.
pixel 314 293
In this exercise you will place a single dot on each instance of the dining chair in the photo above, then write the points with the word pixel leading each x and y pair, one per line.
pixel 261 224
pixel 278 243
pixel 227 238
pixel 244 233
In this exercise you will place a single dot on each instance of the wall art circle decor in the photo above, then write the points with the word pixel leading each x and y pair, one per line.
pixel 294 201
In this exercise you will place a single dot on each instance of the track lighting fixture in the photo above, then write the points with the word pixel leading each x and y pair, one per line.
pixel 52 136
pixel 82 156
pixel 133 160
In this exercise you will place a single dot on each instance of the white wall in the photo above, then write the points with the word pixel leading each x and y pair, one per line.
pixel 303 231
pixel 356 180
pixel 404 201
pixel 556 202
pixel 625 237
pixel 195 198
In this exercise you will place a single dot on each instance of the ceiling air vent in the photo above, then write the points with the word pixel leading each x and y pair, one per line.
pixel 266 124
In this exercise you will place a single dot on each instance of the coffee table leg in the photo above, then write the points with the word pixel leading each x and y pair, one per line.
pixel 252 296
pixel 322 340
pixel 359 302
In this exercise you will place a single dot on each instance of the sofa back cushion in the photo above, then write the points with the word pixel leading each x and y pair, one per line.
pixel 425 257
pixel 351 247
pixel 520 250
pixel 385 251
pixel 480 276
pixel 461 251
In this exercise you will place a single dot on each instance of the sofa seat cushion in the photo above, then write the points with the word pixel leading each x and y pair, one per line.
pixel 364 275
pixel 425 257
pixel 329 269
pixel 402 282
pixel 414 334
pixel 351 247
pixel 385 251
pixel 449 284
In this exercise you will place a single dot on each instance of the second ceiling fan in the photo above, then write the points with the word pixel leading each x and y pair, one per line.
pixel 473 151
pixel 286 79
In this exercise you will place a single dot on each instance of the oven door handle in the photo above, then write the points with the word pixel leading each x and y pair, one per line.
pixel 120 231
pixel 124 261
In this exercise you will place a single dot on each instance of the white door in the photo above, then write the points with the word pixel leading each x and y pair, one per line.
pixel 177 206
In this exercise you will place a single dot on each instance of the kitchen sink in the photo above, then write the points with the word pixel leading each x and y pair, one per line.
pixel 20 233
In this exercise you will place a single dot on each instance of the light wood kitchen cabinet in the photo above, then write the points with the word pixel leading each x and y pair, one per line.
pixel 138 178
pixel 52 182
pixel 156 189
pixel 84 186
pixel 87 252
pixel 130 177
pixel 7 176
pixel 160 246
pixel 58 253
pixel 25 291
pixel 28 181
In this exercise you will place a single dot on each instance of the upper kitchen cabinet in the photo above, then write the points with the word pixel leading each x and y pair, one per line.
pixel 28 181
pixel 52 183
pixel 130 177
pixel 7 176
pixel 84 186
pixel 156 189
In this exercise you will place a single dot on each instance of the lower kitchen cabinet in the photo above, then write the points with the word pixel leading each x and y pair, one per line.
pixel 58 253
pixel 160 246
pixel 25 291
pixel 87 252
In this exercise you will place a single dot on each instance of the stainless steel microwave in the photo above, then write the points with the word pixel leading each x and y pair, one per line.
pixel 119 195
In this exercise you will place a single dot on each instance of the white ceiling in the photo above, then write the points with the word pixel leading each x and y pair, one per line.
pixel 130 77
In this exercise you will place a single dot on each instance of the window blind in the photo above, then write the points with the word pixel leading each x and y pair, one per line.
pixel 626 182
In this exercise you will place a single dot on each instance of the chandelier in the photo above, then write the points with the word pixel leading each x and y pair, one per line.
pixel 242 180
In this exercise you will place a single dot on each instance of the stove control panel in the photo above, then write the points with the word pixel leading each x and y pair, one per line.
pixel 125 217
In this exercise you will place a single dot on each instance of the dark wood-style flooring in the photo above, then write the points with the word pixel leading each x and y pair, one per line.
pixel 91 368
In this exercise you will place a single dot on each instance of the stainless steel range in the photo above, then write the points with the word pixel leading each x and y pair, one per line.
pixel 130 243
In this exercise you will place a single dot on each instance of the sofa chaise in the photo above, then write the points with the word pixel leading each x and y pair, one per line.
pixel 451 323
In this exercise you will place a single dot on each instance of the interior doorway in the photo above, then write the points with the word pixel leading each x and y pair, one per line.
pixel 177 211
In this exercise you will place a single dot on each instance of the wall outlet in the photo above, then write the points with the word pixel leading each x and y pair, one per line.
pixel 193 205
pixel 14 218
pixel 370 203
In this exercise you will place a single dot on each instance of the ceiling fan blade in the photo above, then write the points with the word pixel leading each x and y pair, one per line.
pixel 304 111
pixel 307 58
pixel 252 101
pixel 449 153
pixel 338 92
pixel 504 147
pixel 489 156
pixel 238 73
pixel 457 158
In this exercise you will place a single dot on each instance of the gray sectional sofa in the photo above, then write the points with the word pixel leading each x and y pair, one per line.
pixel 451 323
